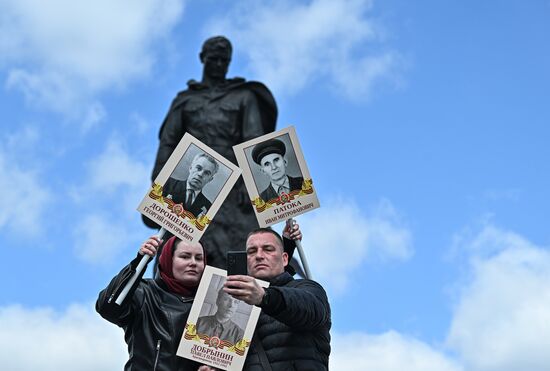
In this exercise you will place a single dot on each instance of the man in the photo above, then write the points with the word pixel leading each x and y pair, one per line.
pixel 293 328
pixel 270 156
pixel 189 193
pixel 220 324
pixel 221 113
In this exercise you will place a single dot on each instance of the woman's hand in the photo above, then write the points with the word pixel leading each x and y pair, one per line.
pixel 150 246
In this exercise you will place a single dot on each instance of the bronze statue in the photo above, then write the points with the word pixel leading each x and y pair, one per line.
pixel 221 113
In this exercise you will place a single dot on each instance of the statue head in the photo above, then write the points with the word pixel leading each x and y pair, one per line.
pixel 216 56
pixel 217 43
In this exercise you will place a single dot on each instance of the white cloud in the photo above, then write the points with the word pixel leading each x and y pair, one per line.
pixel 24 195
pixel 140 123
pixel 94 114
pixel 510 194
pixel 65 51
pixel 290 44
pixel 115 171
pixel 42 339
pixel 116 179
pixel 100 237
pixel 27 137
pixel 502 319
pixel 79 338
pixel 390 351
pixel 339 238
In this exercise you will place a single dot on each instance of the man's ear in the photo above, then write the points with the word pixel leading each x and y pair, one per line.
pixel 201 57
pixel 285 259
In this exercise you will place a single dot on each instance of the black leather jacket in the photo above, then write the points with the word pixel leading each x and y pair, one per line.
pixel 153 320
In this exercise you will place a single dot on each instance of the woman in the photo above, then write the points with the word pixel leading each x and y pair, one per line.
pixel 154 313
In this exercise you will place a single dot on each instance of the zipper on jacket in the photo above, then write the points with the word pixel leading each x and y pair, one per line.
pixel 157 355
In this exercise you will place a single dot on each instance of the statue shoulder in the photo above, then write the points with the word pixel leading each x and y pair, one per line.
pixel 255 86
pixel 184 95
pixel 266 101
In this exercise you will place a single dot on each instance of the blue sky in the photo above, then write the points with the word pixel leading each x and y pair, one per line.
pixel 425 126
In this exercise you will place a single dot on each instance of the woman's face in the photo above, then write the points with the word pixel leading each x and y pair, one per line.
pixel 188 263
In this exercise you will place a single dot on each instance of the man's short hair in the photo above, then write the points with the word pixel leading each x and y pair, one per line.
pixel 265 148
pixel 267 230
pixel 220 293
pixel 209 158
pixel 217 43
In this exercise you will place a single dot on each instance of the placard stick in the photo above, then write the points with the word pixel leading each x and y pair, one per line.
pixel 141 266
pixel 301 253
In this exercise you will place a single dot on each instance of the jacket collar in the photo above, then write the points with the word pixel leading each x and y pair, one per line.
pixel 228 84
pixel 281 280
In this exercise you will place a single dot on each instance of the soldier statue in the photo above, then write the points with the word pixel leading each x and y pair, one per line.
pixel 221 113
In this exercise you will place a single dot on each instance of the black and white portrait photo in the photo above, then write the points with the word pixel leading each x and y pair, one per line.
pixel 274 167
pixel 276 176
pixel 218 322
pixel 189 189
pixel 196 181
pixel 221 315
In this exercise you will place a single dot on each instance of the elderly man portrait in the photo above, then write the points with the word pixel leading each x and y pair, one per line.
pixel 293 329
pixel 221 324
pixel 189 192
pixel 270 156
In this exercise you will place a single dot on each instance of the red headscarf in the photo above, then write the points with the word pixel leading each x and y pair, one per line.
pixel 165 265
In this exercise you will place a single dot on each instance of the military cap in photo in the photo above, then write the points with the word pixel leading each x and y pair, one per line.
pixel 266 148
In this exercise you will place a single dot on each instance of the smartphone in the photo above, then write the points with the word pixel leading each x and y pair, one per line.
pixel 236 263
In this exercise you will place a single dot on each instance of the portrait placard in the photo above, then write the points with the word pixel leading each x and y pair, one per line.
pixel 189 189
pixel 276 176
pixel 219 328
